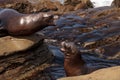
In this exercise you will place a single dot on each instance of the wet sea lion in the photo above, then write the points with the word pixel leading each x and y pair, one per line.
pixel 23 24
pixel 74 65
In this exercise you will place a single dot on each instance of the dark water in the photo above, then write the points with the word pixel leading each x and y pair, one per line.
pixel 74 28
pixel 57 70
pixel 92 60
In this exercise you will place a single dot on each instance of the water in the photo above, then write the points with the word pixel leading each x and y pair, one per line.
pixel 92 60
pixel 57 70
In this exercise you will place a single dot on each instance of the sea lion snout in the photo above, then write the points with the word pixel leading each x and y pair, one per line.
pixel 50 18
pixel 69 47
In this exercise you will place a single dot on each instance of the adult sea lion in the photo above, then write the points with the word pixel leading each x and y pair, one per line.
pixel 23 24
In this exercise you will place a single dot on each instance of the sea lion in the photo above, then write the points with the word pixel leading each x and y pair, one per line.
pixel 24 24
pixel 74 65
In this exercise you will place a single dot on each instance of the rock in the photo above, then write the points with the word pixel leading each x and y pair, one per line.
pixel 79 4
pixel 17 43
pixel 27 6
pixel 22 6
pixel 112 73
pixel 23 57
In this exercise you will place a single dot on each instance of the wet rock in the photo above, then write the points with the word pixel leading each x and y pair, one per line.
pixel 97 75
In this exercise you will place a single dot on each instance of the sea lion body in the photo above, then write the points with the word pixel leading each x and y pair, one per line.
pixel 23 24
pixel 74 64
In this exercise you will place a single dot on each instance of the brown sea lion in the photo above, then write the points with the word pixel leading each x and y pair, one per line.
pixel 23 24
pixel 74 65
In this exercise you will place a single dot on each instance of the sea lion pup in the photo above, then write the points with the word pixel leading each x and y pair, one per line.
pixel 23 24
pixel 74 65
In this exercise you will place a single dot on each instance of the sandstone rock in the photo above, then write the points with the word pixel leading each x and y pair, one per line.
pixel 112 73
pixel 23 57
pixel 9 44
